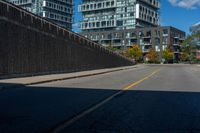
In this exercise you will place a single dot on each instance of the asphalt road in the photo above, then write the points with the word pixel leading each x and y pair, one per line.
pixel 147 99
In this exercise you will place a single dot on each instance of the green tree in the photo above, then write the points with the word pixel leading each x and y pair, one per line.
pixel 168 55
pixel 192 58
pixel 152 56
pixel 189 46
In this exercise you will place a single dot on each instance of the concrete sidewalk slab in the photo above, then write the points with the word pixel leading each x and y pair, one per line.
pixel 55 77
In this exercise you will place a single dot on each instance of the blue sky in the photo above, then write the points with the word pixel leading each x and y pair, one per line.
pixel 178 13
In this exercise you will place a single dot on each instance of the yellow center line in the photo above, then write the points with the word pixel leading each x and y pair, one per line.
pixel 141 80
pixel 65 124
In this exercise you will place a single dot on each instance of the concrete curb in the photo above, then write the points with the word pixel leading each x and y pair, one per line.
pixel 77 76
pixel 8 81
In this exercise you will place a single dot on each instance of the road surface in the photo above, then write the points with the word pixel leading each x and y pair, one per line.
pixel 147 99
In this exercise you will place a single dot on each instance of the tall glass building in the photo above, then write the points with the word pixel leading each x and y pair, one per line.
pixel 57 11
pixel 105 15
pixel 124 23
pixel 195 28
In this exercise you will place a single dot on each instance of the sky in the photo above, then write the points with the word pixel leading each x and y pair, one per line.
pixel 177 13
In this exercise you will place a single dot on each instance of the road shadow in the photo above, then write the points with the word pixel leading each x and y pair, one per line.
pixel 27 109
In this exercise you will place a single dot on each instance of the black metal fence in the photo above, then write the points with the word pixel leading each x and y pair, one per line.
pixel 31 45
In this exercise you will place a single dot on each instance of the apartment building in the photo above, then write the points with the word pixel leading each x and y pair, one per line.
pixel 195 29
pixel 57 11
pixel 153 37
pixel 105 15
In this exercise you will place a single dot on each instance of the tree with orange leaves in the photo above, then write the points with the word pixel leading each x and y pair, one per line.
pixel 134 52
pixel 152 56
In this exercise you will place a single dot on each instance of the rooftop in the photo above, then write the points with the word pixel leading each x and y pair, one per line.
pixel 197 24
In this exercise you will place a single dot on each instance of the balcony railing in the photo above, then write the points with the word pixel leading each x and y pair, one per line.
pixel 155 5
pixel 147 44
pixel 133 37
pixel 165 35
pixel 146 37
pixel 145 50
pixel 117 44
pixel 176 44
pixel 92 6
pixel 106 39
pixel 116 38
pixel 94 24
pixel 177 51
pixel 176 37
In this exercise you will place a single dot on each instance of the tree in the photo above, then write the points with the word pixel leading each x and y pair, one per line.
pixel 189 46
pixel 134 52
pixel 184 56
pixel 152 56
pixel 168 55
pixel 192 58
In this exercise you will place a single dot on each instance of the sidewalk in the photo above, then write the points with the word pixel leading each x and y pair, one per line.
pixel 55 77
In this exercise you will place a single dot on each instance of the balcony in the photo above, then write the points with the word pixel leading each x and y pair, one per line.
pixel 92 6
pixel 155 4
pixel 176 37
pixel 165 35
pixel 133 41
pixel 176 44
pixel 105 39
pixel 116 38
pixel 94 39
pixel 177 51
pixel 133 37
pixel 117 44
pixel 104 44
pixel 145 50
pixel 146 37
pixel 147 44
pixel 147 40
pixel 98 24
